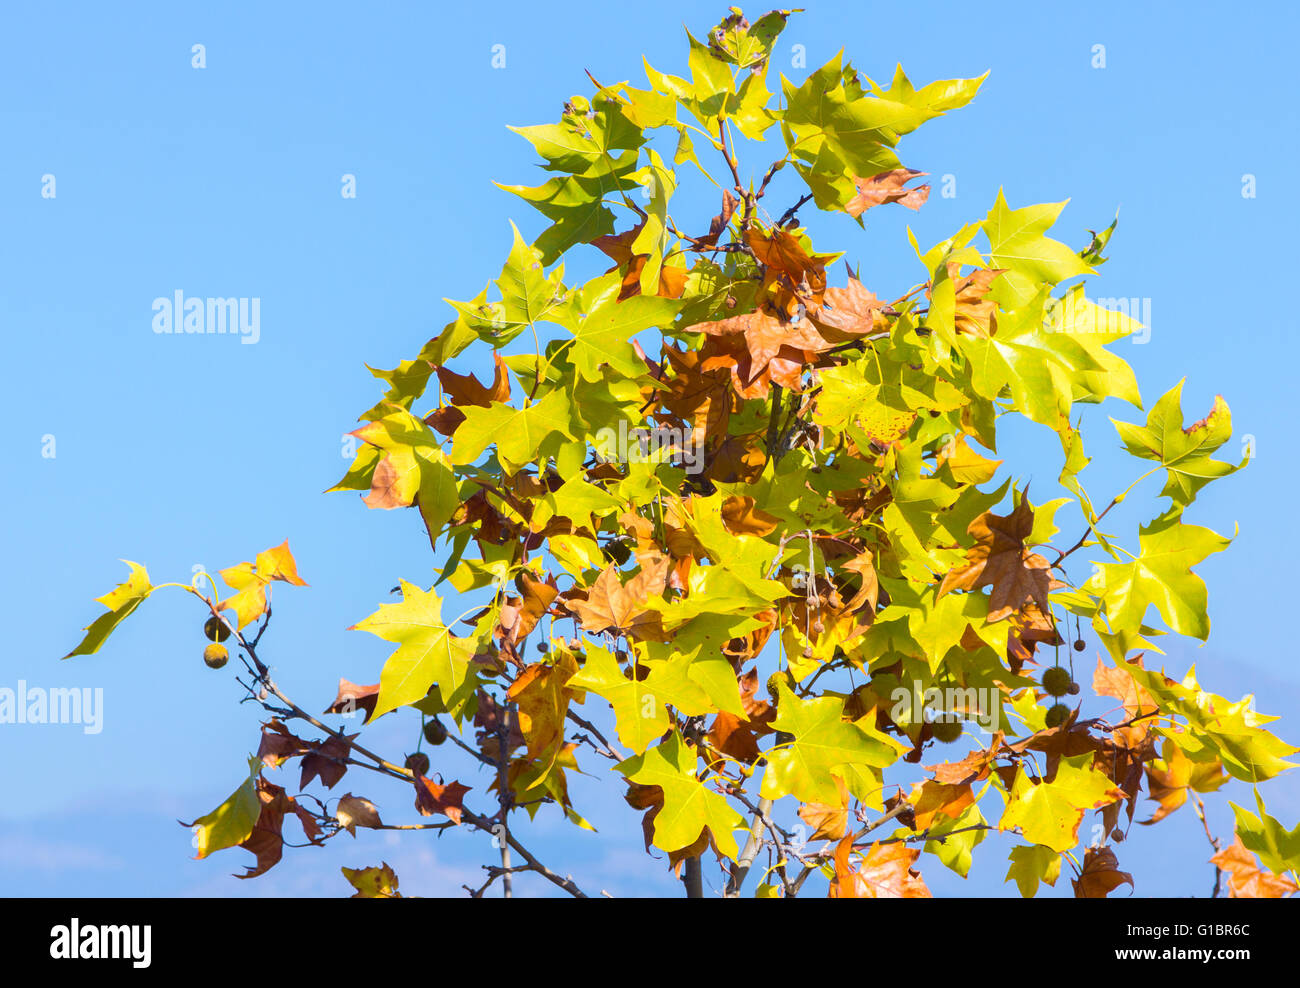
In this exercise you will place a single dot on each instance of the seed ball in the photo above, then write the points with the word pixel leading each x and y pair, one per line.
pixel 1056 715
pixel 1056 681
pixel 434 732
pixel 215 630
pixel 1080 645
pixel 418 763
pixel 807 652
pixel 1073 690
pixel 946 731
pixel 780 676
pixel 1117 835
pixel 215 655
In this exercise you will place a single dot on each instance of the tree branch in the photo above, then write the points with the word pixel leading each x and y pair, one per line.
pixel 386 767
pixel 740 869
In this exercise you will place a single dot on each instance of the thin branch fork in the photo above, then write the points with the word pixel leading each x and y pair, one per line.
pixel 385 767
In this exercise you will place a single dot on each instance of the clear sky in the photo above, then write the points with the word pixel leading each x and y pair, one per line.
pixel 182 451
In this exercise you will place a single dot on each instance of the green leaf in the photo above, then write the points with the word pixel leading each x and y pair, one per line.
pixel 747 45
pixel 711 81
pixel 1183 452
pixel 575 206
pixel 1033 864
pixel 603 328
pixel 413 468
pixel 427 653
pixel 120 601
pixel 1049 813
pixel 689 808
pixel 1162 576
pixel 835 132
pixel 1017 243
pixel 954 849
pixel 1094 328
pixel 825 745
pixel 1217 727
pixel 655 238
pixel 932 100
pixel 584 140
pixel 580 502
pixel 1277 847
pixel 406 382
pixel 233 821
pixel 639 717
pixel 528 296
pixel 518 433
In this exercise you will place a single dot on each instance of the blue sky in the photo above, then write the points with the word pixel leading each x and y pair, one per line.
pixel 199 451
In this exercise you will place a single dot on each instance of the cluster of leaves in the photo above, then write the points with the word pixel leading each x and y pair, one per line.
pixel 823 518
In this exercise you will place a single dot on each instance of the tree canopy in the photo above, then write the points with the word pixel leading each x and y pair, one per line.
pixel 752 520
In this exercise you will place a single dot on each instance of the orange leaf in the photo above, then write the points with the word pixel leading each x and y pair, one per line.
pixel 1247 879
pixel 888 187
pixel 885 873
pixel 432 797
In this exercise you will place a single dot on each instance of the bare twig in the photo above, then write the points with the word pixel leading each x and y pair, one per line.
pixel 789 214
pixel 1214 843
pixel 385 767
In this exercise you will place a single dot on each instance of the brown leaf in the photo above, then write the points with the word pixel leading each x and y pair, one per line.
pixel 1115 681
pixel 1000 558
pixel 266 841
pixel 931 801
pixel 1064 741
pixel 742 516
pixel 973 314
pixel 1100 875
pixel 849 313
pixel 326 759
pixel 652 578
pixel 465 389
pixel 829 821
pixel 445 420
pixel 792 277
pixel 352 698
pixel 738 460
pixel 543 702
pixel 489 717
pixel 1169 786
pixel 719 222
pixel 1029 628
pixel 744 647
pixel 761 347
pixel 888 187
pixel 703 399
pixel 526 612
pixel 738 737
pixel 618 246
pixel 611 605
pixel 433 797
pixel 279 744
pixel 357 811
pixel 864 564
pixel 973 768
